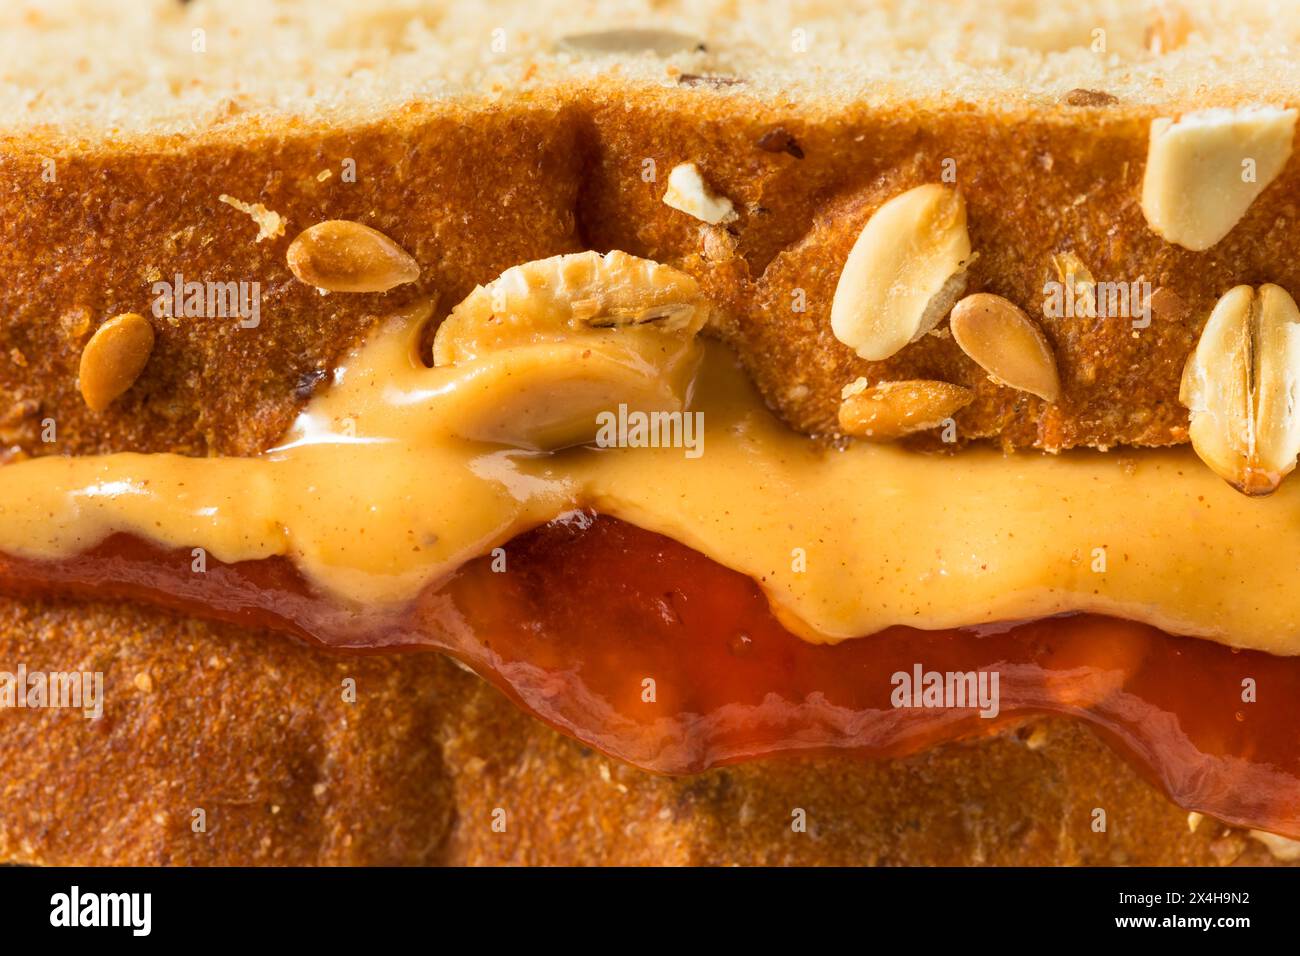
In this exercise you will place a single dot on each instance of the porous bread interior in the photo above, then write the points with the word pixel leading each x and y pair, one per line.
pixel 95 67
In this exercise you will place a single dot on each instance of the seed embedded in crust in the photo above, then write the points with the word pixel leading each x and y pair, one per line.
pixel 1082 97
pixel 1242 386
pixel 344 256
pixel 889 410
pixel 1007 344
pixel 270 224
pixel 114 358
pixel 629 40
pixel 904 273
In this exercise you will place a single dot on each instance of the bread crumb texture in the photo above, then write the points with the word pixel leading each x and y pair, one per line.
pixel 152 65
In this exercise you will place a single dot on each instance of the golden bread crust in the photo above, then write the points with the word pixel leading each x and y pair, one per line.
pixel 555 174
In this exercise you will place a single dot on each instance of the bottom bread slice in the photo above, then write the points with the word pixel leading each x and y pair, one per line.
pixel 223 746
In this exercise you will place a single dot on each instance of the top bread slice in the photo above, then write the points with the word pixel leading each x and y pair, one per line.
pixel 157 66
pixel 481 138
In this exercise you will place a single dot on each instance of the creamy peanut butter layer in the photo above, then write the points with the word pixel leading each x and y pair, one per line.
pixel 379 491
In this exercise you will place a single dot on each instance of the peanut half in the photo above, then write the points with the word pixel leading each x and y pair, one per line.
pixel 1007 344
pixel 552 299
pixel 339 255
pixel 889 410
pixel 904 272
pixel 114 358
pixel 1242 385
pixel 1205 169
pixel 550 344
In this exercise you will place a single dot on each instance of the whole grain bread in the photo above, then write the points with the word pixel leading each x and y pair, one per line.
pixel 475 159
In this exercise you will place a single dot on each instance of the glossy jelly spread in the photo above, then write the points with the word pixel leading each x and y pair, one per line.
pixel 588 609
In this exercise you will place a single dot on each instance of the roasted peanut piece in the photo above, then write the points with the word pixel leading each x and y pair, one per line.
pixel 1242 385
pixel 1205 169
pixel 344 256
pixel 1007 344
pixel 889 410
pixel 904 272
pixel 550 300
pixel 114 358
pixel 688 193
pixel 548 396
pixel 1279 847
pixel 550 344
